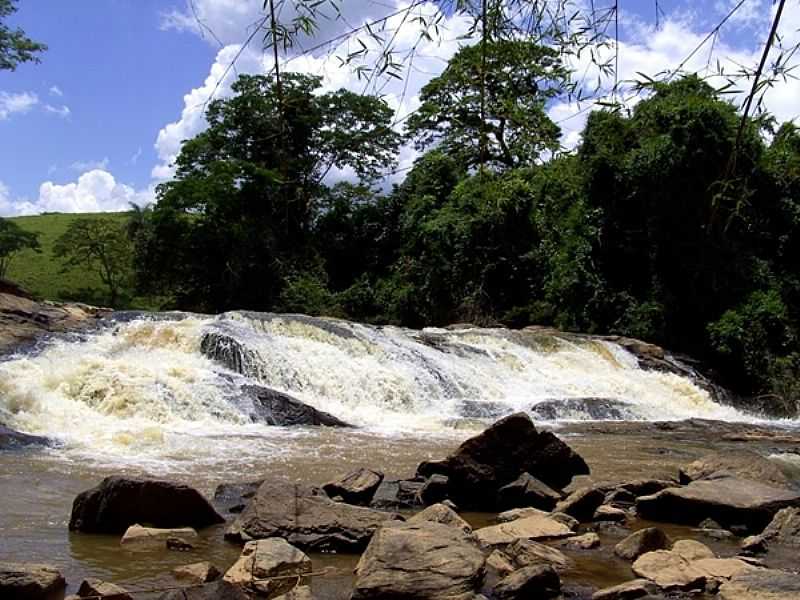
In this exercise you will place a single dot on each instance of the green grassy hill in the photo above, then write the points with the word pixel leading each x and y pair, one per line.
pixel 41 273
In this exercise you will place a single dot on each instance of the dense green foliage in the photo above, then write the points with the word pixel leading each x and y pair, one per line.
pixel 13 241
pixel 15 46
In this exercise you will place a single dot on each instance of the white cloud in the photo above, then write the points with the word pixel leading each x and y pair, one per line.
pixel 16 103
pixel 62 111
pixel 56 91
pixel 94 191
pixel 90 165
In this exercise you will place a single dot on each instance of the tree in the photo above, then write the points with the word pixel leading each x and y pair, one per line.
pixel 236 222
pixel 520 77
pixel 15 46
pixel 14 239
pixel 99 244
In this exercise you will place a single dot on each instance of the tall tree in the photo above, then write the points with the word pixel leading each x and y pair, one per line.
pixel 496 92
pixel 15 46
pixel 13 240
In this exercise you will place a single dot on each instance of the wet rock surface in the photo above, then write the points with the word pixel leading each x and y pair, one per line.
pixel 272 407
pixel 119 502
pixel 527 491
pixel 358 487
pixel 28 581
pixel 11 439
pixel 743 464
pixel 269 568
pixel 583 408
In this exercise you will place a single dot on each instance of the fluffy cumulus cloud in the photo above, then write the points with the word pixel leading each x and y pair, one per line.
pixel 16 103
pixel 93 191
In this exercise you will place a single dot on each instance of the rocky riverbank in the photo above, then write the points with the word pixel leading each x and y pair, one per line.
pixel 726 527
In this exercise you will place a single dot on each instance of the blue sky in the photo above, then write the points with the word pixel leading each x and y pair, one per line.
pixel 97 123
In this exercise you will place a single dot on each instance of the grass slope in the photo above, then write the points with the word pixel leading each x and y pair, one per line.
pixel 42 274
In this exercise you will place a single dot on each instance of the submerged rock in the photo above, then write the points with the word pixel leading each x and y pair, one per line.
pixel 269 568
pixel 512 446
pixel 357 487
pixel 743 464
pixel 11 439
pixel 574 409
pixel 119 502
pixel 419 561
pixel 306 518
pixel 729 501
pixel 28 581
pixel 137 537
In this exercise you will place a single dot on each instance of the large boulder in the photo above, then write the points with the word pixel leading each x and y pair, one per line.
pixel 641 542
pixel 534 527
pixel 357 487
pixel 306 518
pixel 761 584
pixel 11 439
pixel 269 568
pixel 119 502
pixel 419 561
pixel 784 530
pixel 539 582
pixel 499 455
pixel 272 407
pixel 729 501
pixel 527 491
pixel 742 464
pixel 26 581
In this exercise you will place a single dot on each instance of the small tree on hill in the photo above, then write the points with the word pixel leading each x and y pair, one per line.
pixel 101 245
pixel 14 239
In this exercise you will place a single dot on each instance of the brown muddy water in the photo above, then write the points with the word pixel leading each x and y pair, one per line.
pixel 37 488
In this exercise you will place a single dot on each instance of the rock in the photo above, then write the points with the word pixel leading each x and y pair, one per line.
pixel 272 407
pixel 609 513
pixel 784 530
pixel 587 541
pixel 582 503
pixel 761 584
pixel 500 563
pixel 179 545
pixel 119 502
pixel 397 495
pixel 535 527
pixel 95 588
pixel 722 569
pixel 520 513
pixel 570 522
pixel 357 487
pixel 269 567
pixel 233 497
pixel 578 409
pixel 28 581
pixel 620 497
pixel 307 518
pixel 439 513
pixel 642 542
pixel 527 491
pixel 668 570
pixel 729 501
pixel 218 590
pixel 137 537
pixel 526 553
pixel 512 446
pixel 741 464
pixel 301 592
pixel 419 561
pixel 538 581
pixel 450 504
pixel 201 572
pixel 692 550
pixel 630 590
pixel 10 439
pixel 434 490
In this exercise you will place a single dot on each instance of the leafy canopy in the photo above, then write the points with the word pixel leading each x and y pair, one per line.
pixel 14 239
pixel 15 46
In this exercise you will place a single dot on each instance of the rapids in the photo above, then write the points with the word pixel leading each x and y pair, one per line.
pixel 148 388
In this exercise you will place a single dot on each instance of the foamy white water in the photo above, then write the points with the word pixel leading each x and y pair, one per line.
pixel 144 389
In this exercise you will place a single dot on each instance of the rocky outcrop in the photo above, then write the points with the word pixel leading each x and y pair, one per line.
pixel 512 446
pixel 269 568
pixel 784 530
pixel 23 320
pixel 140 538
pixel 233 497
pixel 439 513
pixel 357 487
pixel 119 502
pixel 729 501
pixel 95 588
pixel 218 590
pixel 420 561
pixel 641 542
pixel 761 584
pixel 535 527
pixel 197 573
pixel 27 581
pixel 10 439
pixel 307 518
pixel 743 464
pixel 538 581
pixel 600 409
pixel 272 407
pixel 527 491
